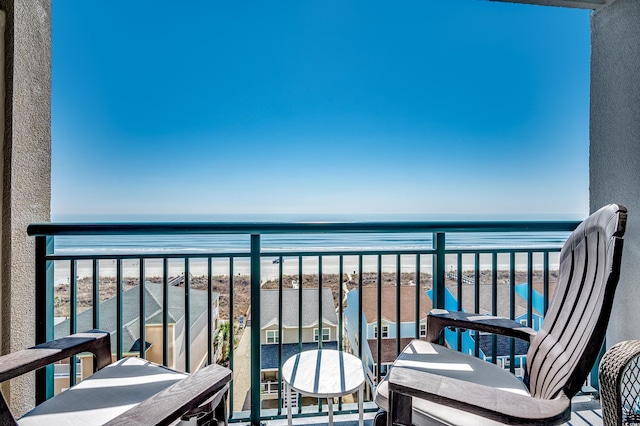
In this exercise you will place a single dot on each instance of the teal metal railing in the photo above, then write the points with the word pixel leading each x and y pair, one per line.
pixel 430 262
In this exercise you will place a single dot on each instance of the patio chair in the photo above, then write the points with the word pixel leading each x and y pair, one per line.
pixel 431 384
pixel 128 391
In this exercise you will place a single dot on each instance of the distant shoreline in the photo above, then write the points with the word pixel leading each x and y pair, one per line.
pixel 270 270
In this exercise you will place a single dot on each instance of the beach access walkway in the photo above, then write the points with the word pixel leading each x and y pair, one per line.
pixel 242 372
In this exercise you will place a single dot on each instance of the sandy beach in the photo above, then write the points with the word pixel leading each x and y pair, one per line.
pixel 269 275
pixel 270 270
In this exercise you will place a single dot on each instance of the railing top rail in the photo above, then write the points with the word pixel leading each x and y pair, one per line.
pixel 185 228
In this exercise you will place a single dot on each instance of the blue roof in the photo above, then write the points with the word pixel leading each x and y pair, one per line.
pixel 537 300
pixel 270 303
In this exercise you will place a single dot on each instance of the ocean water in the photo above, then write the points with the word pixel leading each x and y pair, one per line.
pixel 239 243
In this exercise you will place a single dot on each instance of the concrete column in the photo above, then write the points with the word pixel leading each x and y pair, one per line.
pixel 26 175
pixel 614 163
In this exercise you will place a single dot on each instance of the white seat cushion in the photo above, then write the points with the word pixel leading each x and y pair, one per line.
pixel 437 359
pixel 104 395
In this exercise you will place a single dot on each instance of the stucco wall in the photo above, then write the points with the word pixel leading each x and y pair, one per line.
pixel 614 163
pixel 26 177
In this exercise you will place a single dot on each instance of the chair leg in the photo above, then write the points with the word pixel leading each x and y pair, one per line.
pixel 400 409
pixel 220 413
pixel 216 416
pixel 6 418
pixel 213 413
pixel 380 419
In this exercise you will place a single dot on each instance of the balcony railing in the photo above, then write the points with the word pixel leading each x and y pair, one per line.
pixel 504 268
pixel 270 387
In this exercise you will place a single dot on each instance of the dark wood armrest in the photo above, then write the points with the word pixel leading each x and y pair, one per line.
pixel 172 403
pixel 488 402
pixel 26 360
pixel 439 319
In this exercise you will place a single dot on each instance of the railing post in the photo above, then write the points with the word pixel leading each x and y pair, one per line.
pixel 141 309
pixel 361 318
pixel 398 305
pixel 438 279
pixel 187 317
pixel 119 304
pixel 44 312
pixel 165 312
pixel 439 275
pixel 255 329
pixel 593 375
pixel 319 303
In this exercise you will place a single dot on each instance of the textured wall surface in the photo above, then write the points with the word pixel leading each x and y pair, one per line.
pixel 614 162
pixel 26 177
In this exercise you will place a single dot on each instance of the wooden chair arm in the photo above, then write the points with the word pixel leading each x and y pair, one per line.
pixel 21 362
pixel 488 402
pixel 439 319
pixel 178 399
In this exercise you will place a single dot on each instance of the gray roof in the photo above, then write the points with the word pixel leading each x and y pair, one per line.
pixel 269 303
pixel 269 353
pixel 503 345
pixel 503 297
pixel 131 316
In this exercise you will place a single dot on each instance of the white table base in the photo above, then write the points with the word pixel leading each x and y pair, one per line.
pixel 330 403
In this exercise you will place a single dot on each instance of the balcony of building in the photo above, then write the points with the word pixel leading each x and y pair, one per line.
pixel 253 307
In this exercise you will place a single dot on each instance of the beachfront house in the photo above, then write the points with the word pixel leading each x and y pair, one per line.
pixel 488 345
pixel 153 329
pixel 388 321
pixel 532 319
pixel 300 327
pixel 537 302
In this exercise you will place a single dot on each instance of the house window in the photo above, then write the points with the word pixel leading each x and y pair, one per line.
pixel 326 334
pixel 423 330
pixel 523 322
pixel 385 331
pixel 272 336
pixel 384 369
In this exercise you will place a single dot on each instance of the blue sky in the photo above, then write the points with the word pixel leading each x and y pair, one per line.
pixel 350 107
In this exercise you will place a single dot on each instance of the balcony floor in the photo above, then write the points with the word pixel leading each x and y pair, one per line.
pixel 585 412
